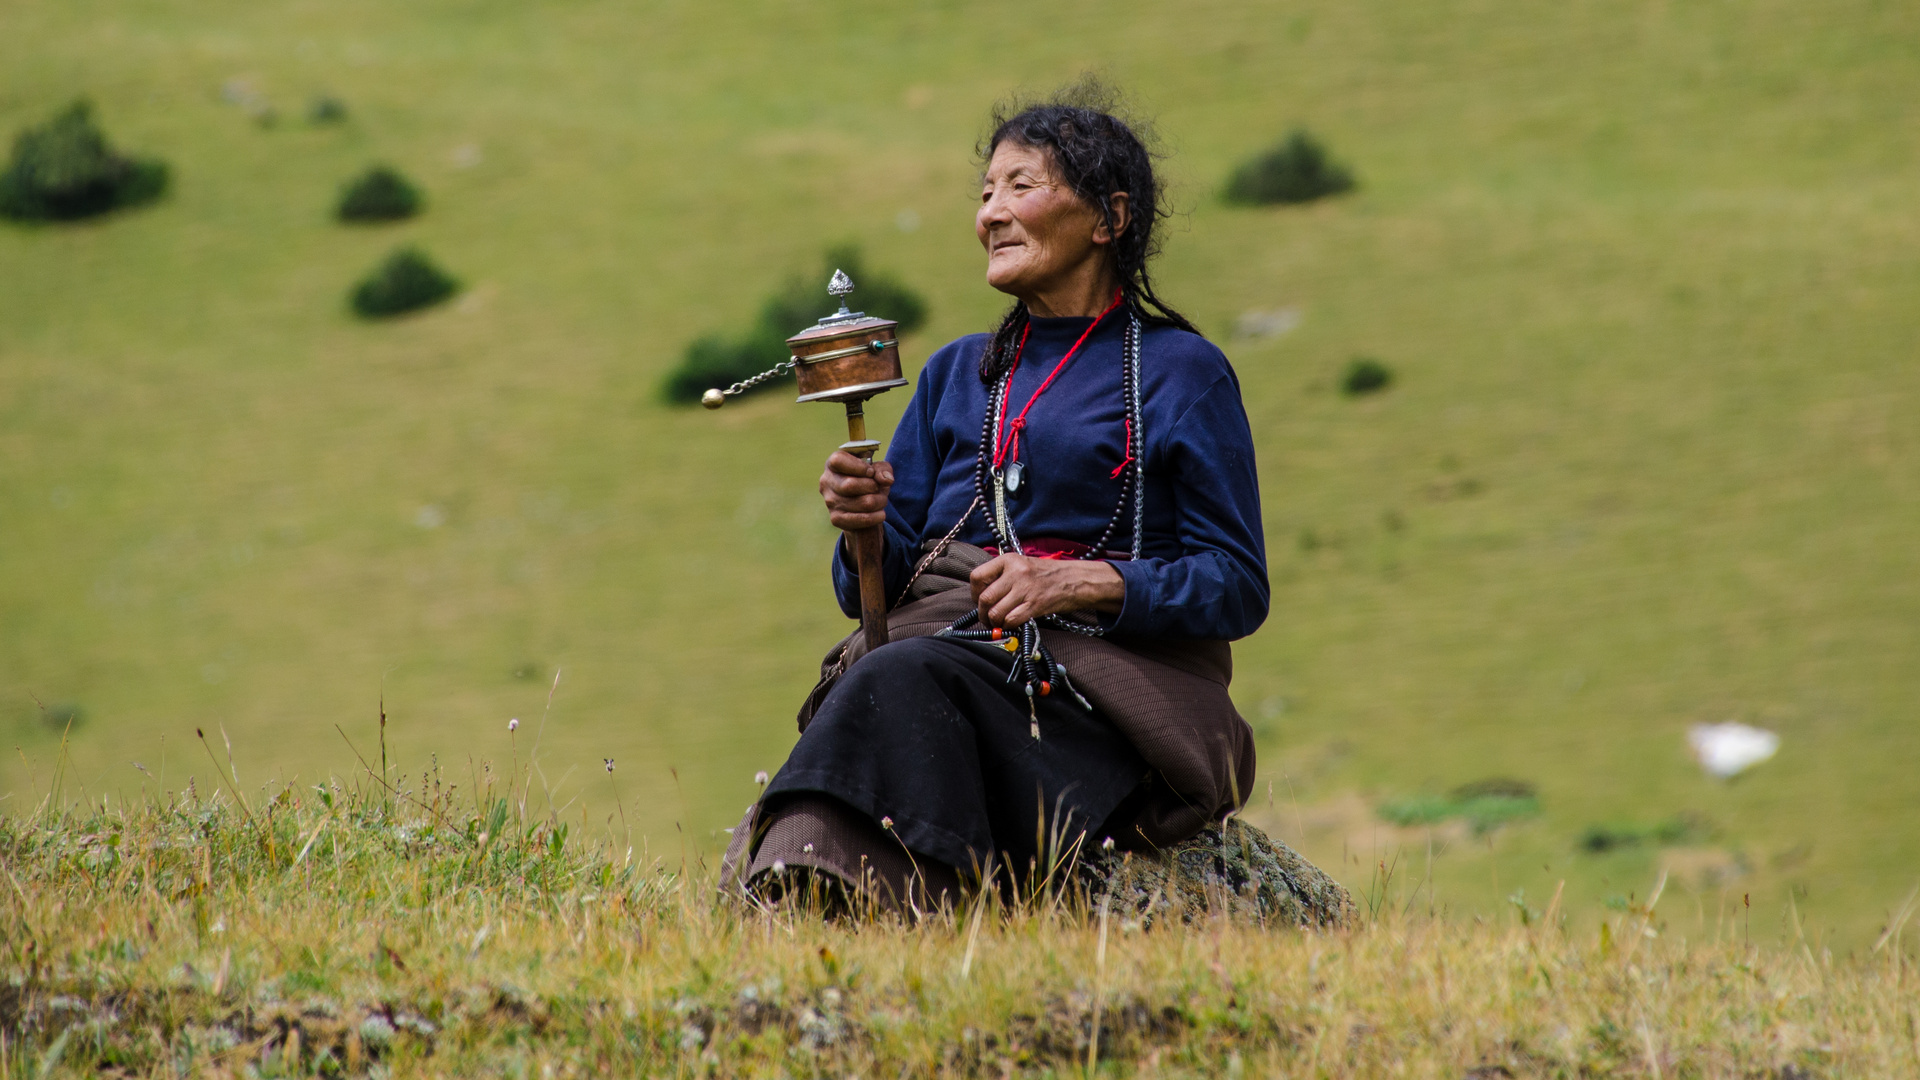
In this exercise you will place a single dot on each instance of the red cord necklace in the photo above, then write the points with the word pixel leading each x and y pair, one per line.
pixel 1006 451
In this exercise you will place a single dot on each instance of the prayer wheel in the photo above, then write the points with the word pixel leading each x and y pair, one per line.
pixel 847 357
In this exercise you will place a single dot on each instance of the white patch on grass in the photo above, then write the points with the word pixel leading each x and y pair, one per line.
pixel 1262 324
pixel 1726 750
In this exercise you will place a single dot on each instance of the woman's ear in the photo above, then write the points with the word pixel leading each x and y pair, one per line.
pixel 1119 213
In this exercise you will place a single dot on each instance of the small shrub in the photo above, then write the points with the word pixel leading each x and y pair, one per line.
pixel 1680 829
pixel 1296 171
pixel 326 109
pixel 1365 375
pixel 1599 839
pixel 406 281
pixel 1417 810
pixel 1497 787
pixel 65 170
pixel 1484 804
pixel 720 360
pixel 381 194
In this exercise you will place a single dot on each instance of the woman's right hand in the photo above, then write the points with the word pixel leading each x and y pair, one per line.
pixel 855 491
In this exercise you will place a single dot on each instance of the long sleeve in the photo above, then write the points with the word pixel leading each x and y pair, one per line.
pixel 1218 588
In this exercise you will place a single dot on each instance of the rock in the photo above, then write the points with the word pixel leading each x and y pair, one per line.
pixel 1231 868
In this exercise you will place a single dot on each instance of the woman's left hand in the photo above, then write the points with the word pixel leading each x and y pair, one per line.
pixel 1013 589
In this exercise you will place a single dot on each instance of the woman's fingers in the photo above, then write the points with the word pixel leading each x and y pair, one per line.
pixel 1003 588
pixel 1011 612
pixel 1012 589
pixel 878 479
pixel 844 464
pixel 855 490
pixel 986 573
pixel 988 578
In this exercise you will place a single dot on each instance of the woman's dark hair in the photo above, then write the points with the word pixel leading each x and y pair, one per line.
pixel 1096 153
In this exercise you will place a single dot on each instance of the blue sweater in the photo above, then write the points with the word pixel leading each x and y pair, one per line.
pixel 1203 566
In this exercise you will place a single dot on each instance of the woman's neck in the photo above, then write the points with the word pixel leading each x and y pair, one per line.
pixel 1083 295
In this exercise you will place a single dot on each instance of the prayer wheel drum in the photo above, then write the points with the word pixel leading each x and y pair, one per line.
pixel 849 360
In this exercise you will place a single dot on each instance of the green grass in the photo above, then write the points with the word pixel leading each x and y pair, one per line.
pixel 347 930
pixel 1644 275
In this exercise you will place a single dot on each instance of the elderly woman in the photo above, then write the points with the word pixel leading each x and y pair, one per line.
pixel 1072 528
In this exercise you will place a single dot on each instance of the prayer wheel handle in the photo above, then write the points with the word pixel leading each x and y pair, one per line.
pixel 868 544
pixel 846 357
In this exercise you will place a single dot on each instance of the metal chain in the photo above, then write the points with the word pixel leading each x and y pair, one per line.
pixel 938 549
pixel 745 385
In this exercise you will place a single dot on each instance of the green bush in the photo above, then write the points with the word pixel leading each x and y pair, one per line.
pixel 1365 375
pixel 380 194
pixel 406 281
pixel 326 109
pixel 721 360
pixel 1485 805
pixel 66 169
pixel 1680 829
pixel 1296 171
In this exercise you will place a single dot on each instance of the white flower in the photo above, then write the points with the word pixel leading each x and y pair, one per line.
pixel 886 823
pixel 1107 844
pixel 609 764
pixel 760 778
pixel 808 849
pixel 779 866
pixel 513 724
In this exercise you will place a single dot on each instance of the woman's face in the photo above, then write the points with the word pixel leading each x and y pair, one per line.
pixel 1037 231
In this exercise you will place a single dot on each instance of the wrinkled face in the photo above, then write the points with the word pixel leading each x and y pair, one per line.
pixel 1036 229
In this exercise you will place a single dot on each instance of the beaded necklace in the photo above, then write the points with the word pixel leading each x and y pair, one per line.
pixel 1034 665
pixel 990 482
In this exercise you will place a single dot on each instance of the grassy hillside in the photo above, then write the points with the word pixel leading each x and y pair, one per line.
pixel 1647 275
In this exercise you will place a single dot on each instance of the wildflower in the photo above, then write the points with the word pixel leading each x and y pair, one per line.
pixel 1107 844
pixel 779 866
pixel 808 849
pixel 760 778
pixel 886 823
pixel 609 762
pixel 513 724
